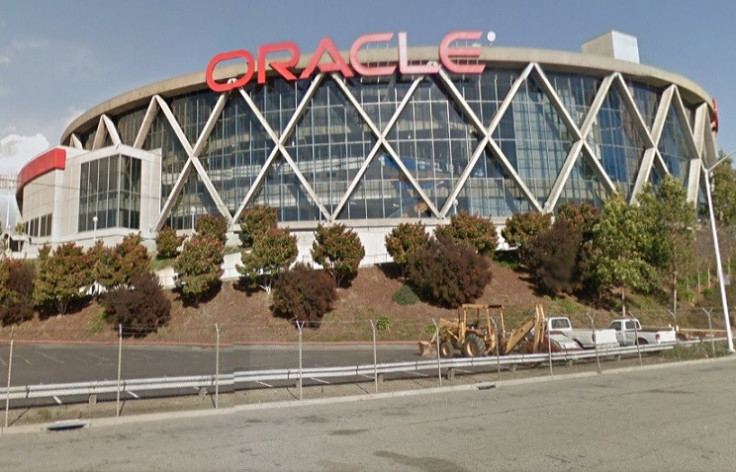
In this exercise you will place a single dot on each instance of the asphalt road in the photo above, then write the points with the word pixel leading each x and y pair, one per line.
pixel 677 418
pixel 46 364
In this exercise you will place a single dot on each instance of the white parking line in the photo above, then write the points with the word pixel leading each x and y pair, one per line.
pixel 52 359
pixel 132 394
pixel 320 380
pixel 418 374
pixel 264 384
pixel 57 400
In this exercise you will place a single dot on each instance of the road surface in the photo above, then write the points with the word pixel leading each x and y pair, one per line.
pixel 681 417
pixel 48 363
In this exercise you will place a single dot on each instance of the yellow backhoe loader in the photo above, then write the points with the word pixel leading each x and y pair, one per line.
pixel 481 337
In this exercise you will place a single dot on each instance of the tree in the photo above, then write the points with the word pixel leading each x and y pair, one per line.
pixel 133 257
pixel 552 257
pixel 16 291
pixel 198 266
pixel 304 295
pixel 141 307
pixel 403 240
pixel 61 275
pixel 447 272
pixel 522 226
pixel 213 225
pixel 255 221
pixel 474 230
pixel 620 242
pixel 167 243
pixel 104 266
pixel 272 253
pixel 338 250
pixel 723 192
pixel 670 220
pixel 113 266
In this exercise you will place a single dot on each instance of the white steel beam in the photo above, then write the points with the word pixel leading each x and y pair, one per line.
pixel 111 130
pixel 140 138
pixel 75 142
pixel 99 134
pixel 210 125
pixel 173 195
pixel 487 140
pixel 279 147
pixel 652 153
pixel 581 135
pixel 380 136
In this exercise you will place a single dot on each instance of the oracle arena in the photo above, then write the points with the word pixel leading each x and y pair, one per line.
pixel 372 137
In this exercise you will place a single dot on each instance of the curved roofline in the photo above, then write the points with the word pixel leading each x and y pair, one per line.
pixel 506 57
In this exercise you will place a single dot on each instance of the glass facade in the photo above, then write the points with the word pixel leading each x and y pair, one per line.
pixel 329 164
pixel 110 189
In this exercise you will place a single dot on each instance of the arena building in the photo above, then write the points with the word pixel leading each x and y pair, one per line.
pixel 370 137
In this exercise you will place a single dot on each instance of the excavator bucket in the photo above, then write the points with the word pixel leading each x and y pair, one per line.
pixel 427 348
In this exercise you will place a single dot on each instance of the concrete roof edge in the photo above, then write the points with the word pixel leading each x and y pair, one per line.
pixel 557 60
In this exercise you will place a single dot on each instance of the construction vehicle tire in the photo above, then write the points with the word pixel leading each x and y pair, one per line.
pixel 474 346
pixel 447 349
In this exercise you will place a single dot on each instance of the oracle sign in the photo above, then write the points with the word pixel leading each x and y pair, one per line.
pixel 448 55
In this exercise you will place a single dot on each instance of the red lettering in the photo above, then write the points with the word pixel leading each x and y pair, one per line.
pixel 404 66
pixel 363 69
pixel 282 67
pixel 226 56
pixel 447 52
pixel 338 64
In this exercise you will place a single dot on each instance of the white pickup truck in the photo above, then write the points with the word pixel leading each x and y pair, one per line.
pixel 585 338
pixel 629 331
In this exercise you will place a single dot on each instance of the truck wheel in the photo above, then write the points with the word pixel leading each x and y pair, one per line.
pixel 447 349
pixel 642 341
pixel 474 346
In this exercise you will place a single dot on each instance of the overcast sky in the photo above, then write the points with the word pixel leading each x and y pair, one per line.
pixel 60 58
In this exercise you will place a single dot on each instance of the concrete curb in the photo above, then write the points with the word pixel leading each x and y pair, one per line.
pixel 152 417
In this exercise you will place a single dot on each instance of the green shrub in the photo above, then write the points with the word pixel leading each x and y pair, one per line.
pixel 405 296
pixel 383 323
pixel 213 225
pixel 167 243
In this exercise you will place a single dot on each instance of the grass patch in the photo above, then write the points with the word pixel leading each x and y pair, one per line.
pixel 703 350
pixel 405 296
pixel 97 323
pixel 158 264
pixel 508 259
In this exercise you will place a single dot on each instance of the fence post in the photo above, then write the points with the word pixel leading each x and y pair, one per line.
pixel 437 339
pixel 375 356
pixel 10 371
pixel 549 349
pixel 299 326
pixel 120 367
pixel 498 359
pixel 710 331
pixel 636 340
pixel 217 367
pixel 595 342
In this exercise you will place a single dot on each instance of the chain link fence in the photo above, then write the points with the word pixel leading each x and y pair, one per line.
pixel 209 365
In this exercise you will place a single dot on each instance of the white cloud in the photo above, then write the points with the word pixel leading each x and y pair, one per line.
pixel 24 44
pixel 5 60
pixel 16 150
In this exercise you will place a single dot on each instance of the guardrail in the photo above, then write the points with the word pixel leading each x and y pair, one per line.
pixel 51 391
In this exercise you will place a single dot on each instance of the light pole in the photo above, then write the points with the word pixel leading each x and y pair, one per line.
pixel 719 269
pixel 94 229
pixel 194 212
